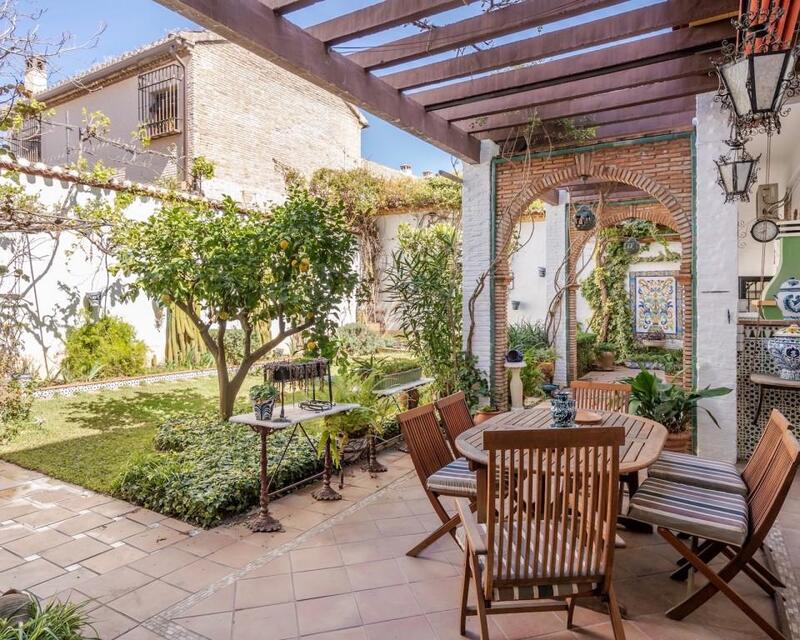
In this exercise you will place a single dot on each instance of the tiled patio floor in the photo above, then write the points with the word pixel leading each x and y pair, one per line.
pixel 339 572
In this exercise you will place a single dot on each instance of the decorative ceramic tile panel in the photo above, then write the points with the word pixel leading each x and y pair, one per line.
pixel 655 303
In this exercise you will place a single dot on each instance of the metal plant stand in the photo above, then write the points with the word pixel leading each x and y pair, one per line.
pixel 293 419
pixel 326 492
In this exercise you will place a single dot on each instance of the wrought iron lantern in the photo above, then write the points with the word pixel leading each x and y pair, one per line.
pixel 757 74
pixel 631 246
pixel 737 172
pixel 585 219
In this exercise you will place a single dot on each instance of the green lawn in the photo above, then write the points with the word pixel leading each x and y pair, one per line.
pixel 86 438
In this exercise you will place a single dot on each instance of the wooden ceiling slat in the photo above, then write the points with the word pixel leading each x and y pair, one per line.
pixel 588 106
pixel 675 44
pixel 378 17
pixel 492 24
pixel 254 26
pixel 583 36
pixel 639 76
pixel 285 6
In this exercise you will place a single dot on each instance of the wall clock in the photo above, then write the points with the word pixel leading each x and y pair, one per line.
pixel 764 230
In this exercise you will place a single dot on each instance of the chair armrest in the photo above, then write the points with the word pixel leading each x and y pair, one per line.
pixel 475 536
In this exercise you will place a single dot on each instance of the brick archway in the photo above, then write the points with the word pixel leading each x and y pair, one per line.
pixel 639 170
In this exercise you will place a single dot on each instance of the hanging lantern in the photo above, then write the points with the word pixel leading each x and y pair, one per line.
pixel 585 219
pixel 631 246
pixel 758 74
pixel 737 172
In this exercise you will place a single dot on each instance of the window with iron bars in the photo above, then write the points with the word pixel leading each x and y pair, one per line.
pixel 160 98
pixel 750 290
pixel 27 142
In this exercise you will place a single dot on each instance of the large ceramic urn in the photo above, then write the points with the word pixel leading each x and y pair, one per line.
pixel 784 288
pixel 784 347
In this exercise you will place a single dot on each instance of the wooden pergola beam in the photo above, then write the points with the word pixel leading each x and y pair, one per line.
pixel 257 28
pixel 638 77
pixel 676 44
pixel 582 36
pixel 492 24
pixel 378 17
pixel 672 96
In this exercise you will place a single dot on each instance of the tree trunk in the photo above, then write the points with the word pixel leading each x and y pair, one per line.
pixel 227 394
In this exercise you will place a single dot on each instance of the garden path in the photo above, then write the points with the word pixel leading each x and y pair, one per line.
pixel 338 572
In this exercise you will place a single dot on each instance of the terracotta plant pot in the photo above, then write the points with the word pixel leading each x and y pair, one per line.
pixel 680 442
pixel 483 416
pixel 605 360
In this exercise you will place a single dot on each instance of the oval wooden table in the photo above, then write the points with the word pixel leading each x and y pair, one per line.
pixel 644 441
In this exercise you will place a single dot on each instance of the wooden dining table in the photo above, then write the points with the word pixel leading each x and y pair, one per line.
pixel 644 441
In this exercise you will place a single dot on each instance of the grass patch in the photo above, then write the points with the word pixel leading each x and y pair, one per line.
pixel 88 438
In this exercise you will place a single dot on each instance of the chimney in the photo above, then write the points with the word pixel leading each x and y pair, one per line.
pixel 405 168
pixel 35 79
pixel 427 174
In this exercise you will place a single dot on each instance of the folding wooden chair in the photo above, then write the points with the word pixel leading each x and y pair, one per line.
pixel 551 520
pixel 738 524
pixel 455 416
pixel 603 396
pixel 438 470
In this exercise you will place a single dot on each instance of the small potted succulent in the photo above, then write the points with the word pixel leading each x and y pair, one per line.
pixel 606 356
pixel 484 413
pixel 263 397
pixel 655 337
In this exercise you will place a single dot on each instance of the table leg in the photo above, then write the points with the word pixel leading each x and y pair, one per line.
pixel 412 398
pixel 372 466
pixel 632 481
pixel 326 492
pixel 760 403
pixel 264 522
pixel 481 476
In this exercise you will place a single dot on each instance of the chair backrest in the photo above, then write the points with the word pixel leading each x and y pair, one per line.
pixel 426 444
pixel 455 416
pixel 605 396
pixel 552 513
pixel 769 441
pixel 770 493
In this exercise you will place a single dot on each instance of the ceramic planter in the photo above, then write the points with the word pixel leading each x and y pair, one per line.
pixel 563 410
pixel 788 299
pixel 263 408
pixel 784 347
pixel 605 360
pixel 483 416
pixel 680 442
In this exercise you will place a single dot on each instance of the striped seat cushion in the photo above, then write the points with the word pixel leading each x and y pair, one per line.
pixel 698 472
pixel 717 515
pixel 455 479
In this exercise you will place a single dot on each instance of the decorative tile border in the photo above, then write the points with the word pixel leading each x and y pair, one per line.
pixel 118 383
pixel 787 600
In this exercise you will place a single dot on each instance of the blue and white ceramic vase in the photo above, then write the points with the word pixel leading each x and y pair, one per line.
pixel 784 347
pixel 562 408
pixel 263 409
pixel 788 299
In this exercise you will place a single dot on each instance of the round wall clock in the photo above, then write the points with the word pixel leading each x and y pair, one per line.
pixel 764 230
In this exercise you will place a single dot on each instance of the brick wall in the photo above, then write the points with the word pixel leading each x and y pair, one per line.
pixel 660 166
pixel 247 113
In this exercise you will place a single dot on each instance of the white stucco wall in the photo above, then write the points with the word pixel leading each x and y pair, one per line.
pixel 716 286
pixel 528 287
pixel 555 235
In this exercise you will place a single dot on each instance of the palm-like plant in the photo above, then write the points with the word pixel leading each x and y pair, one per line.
pixel 668 404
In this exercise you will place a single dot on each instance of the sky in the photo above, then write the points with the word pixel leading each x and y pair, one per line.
pixel 127 24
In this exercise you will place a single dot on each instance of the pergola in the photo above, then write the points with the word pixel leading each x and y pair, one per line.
pixel 632 73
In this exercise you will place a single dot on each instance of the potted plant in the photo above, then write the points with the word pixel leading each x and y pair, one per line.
pixel 655 337
pixel 606 356
pixel 671 405
pixel 484 413
pixel 263 398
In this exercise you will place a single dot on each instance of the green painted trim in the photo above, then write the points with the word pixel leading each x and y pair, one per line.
pixel 694 278
pixel 492 250
pixel 594 147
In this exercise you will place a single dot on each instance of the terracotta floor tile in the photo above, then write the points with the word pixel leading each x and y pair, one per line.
pixel 145 516
pixel 401 526
pixel 15 509
pixel 163 562
pixel 379 511
pixel 372 575
pixel 114 508
pixel 156 538
pixel 178 525
pixel 355 531
pixel 259 592
pixel 194 577
pixel 320 583
pixel 387 603
pixel 145 602
pixel 354 633
pixel 302 519
pixel 116 530
pixel 418 569
pixel 327 614
pixel 215 626
pixel 114 584
pixel 521 626
pixel 445 625
pixel 36 542
pixel 109 624
pixel 28 574
pixel 280 564
pixel 82 523
pixel 75 551
pixel 315 558
pixel 417 628
pixel 439 594
pixel 86 501
pixel 51 496
pixel 140 633
pixel 322 539
pixel 8 560
pixel 64 582
pixel 204 543
pixel 277 622
pixel 114 558
pixel 237 554
pixel 218 602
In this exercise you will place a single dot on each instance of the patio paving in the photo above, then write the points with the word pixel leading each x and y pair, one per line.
pixel 338 572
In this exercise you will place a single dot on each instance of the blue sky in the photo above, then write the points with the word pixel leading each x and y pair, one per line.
pixel 130 23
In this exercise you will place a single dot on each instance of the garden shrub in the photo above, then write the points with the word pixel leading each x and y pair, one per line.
pixel 670 360
pixel 357 339
pixel 532 378
pixel 585 343
pixel 204 471
pixel 104 348
pixel 526 335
